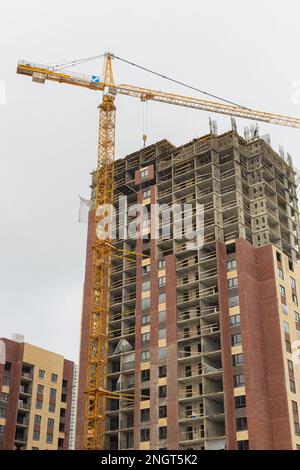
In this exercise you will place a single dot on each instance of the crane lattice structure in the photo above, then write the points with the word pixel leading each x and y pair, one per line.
pixel 103 250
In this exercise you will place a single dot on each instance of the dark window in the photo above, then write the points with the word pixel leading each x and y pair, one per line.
pixel 52 392
pixel 162 371
pixel 236 339
pixel 241 424
pixel 288 346
pixel 41 374
pixel 297 428
pixel 145 393
pixel 36 435
pixel 292 386
pixel 162 391
pixel 163 432
pixel 49 438
pixel 50 423
pixel 235 319
pixel 230 248
pixel 278 256
pixel 40 389
pixel 39 404
pixel 54 378
pixel 240 401
pixel 145 414
pixel 243 445
pixel 51 407
pixel 145 435
pixel 237 359
pixel 145 375
pixel 238 380
pixel 7 366
pixel 162 411
pixel 295 408
pixel 290 365
pixel 37 419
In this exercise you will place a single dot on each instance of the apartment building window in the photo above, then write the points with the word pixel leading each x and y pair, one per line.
pixel 40 389
pixel 288 346
pixel 241 424
pixel 231 265
pixel 54 378
pixel 162 298
pixel 2 412
pixel 145 355
pixel 145 375
pixel 4 397
pixel 41 374
pixel 146 269
pixel 162 391
pixel 49 438
pixel 293 283
pixel 297 428
pixel 7 366
pixel 144 172
pixel 146 194
pixel 39 404
pixel 295 299
pixel 286 327
pixel 292 386
pixel 145 392
pixel 145 435
pixel 162 281
pixel 145 319
pixel 188 391
pixel 235 319
pixel 2 428
pixel 50 423
pixel 161 264
pixel 297 317
pixel 162 371
pixel 239 380
pixel 236 339
pixel 162 412
pixel 280 273
pixel 145 286
pixel 188 371
pixel 233 301
pixel 146 303
pixel 282 291
pixel 36 435
pixel 295 408
pixel 290 366
pixel 278 257
pixel 240 401
pixel 145 415
pixel 51 407
pixel 162 353
pixel 232 282
pixel 243 445
pixel 162 316
pixel 162 432
pixel 53 392
pixel 284 309
pixel 37 419
pixel 162 333
pixel 237 359
pixel 6 380
pixel 145 337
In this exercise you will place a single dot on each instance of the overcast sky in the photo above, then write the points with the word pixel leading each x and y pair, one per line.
pixel 247 52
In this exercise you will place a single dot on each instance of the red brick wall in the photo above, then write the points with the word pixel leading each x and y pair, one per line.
pixel 68 375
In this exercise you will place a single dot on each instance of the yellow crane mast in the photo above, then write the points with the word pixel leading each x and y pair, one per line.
pixel 96 390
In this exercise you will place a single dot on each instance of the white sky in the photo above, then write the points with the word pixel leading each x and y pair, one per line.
pixel 247 52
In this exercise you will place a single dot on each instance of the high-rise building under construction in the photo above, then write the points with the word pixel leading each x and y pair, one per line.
pixel 206 338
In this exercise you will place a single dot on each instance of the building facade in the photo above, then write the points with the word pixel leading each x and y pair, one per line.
pixel 206 338
pixel 35 400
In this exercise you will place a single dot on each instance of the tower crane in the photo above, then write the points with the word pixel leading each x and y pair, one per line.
pixel 96 389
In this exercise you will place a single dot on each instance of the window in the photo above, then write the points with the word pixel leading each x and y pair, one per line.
pixel 241 424
pixel 232 282
pixel 231 265
pixel 37 419
pixel 237 359
pixel 240 401
pixel 161 264
pixel 188 371
pixel 162 333
pixel 292 386
pixel 297 317
pixel 145 392
pixel 278 257
pixel 162 353
pixel 286 327
pixel 238 380
pixel 2 412
pixel 145 303
pixel 145 319
pixel 41 374
pixel 282 291
pixel 51 407
pixel 4 397
pixel 64 396
pixel 145 435
pixel 162 391
pixel 54 378
pixel 188 411
pixel 295 299
pixel 36 435
pixel 50 423
pixel 162 316
pixel 145 375
pixel 49 438
pixel 162 412
pixel 53 392
pixel 293 283
pixel 162 371
pixel 145 286
pixel 243 445
pixel 40 389
pixel 297 428
pixel 162 298
pixel 162 432
pixel 290 366
pixel 39 404
pixel 284 309
pixel 146 269
pixel 236 339
pixel 288 346
pixel 233 301
pixel 145 414
pixel 145 337
pixel 2 428
pixel 6 380
pixel 161 281
pixel 235 319
pixel 145 355
pixel 7 366
pixel 295 408
pixel 144 172
pixel 146 194
pixel 230 248
pixel 280 273
pixel 189 391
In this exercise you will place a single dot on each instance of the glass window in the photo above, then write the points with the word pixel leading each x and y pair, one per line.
pixel 40 389
pixel 145 337
pixel 232 282
pixel 235 319
pixel 162 353
pixel 236 339
pixel 36 435
pixel 162 333
pixel 144 172
pixel 41 374
pixel 49 438
pixel 282 291
pixel 161 264
pixel 162 281
pixel 37 419
pixel 162 391
pixel 52 392
pixel 145 414
pixel 162 298
pixel 146 194
pixel 280 273
pixel 288 346
pixel 292 386
pixel 237 359
pixel 238 380
pixel 293 283
pixel 145 375
pixel 145 303
pixel 233 301
pixel 241 424
pixel 51 407
pixel 145 286
pixel 145 319
pixel 54 378
pixel 162 432
pixel 231 265
pixel 145 435
pixel 162 315
pixel 145 355
pixel 162 371
pixel 295 408
pixel 146 269
pixel 286 327
pixel 39 404
pixel 162 411
pixel 50 423
pixel 240 401
pixel 297 317
pixel 295 299
pixel 284 309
